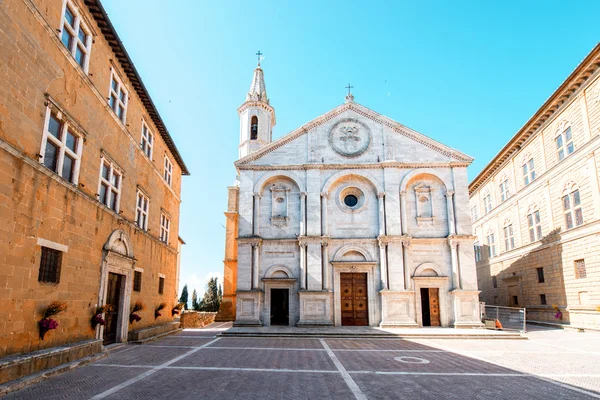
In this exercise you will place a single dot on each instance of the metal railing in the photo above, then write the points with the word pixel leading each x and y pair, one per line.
pixel 510 318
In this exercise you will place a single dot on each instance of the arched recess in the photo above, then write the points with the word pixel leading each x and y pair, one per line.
pixel 362 174
pixel 429 171
pixel 349 248
pixel 259 185
pixel 428 269
pixel 278 271
pixel 119 242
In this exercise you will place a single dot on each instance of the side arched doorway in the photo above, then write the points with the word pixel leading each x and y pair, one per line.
pixel 116 279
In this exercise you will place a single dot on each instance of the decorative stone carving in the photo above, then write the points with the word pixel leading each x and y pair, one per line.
pixel 279 205
pixel 424 206
pixel 350 138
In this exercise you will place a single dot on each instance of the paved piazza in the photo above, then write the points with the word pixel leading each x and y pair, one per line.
pixel 197 364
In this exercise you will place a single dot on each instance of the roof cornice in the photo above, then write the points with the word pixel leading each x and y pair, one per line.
pixel 555 102
pixel 111 36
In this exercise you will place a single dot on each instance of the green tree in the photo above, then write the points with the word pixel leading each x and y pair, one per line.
pixel 184 297
pixel 195 305
pixel 211 300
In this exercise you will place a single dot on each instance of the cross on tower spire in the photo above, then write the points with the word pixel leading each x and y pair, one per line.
pixel 259 54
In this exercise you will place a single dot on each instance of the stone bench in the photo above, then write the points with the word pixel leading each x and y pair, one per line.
pixel 18 366
pixel 153 332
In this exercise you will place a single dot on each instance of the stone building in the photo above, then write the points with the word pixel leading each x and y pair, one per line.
pixel 90 180
pixel 351 219
pixel 536 208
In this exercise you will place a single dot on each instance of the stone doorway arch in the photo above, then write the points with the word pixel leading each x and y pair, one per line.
pixel 117 259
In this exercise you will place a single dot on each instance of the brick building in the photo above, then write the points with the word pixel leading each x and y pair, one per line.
pixel 536 208
pixel 90 179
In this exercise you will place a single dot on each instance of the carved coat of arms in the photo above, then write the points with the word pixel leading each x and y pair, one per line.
pixel 350 137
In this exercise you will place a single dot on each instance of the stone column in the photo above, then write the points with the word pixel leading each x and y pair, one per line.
pixel 303 213
pixel 403 226
pixel 407 281
pixel 325 265
pixel 381 197
pixel 383 264
pixel 302 266
pixel 450 206
pixel 454 261
pixel 256 227
pixel 324 197
pixel 255 264
pixel 401 268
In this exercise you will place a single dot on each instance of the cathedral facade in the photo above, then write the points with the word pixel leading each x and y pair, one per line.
pixel 351 219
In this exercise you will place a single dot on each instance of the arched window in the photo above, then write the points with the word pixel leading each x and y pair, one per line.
pixel 564 141
pixel 509 236
pixel 254 128
pixel 491 242
pixel 534 223
pixel 572 205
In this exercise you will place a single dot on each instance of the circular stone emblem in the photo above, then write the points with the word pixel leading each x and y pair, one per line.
pixel 350 137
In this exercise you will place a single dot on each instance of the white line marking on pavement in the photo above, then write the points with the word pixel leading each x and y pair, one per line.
pixel 320 371
pixel 347 378
pixel 148 373
pixel 173 346
pixel 261 348
pixel 542 377
pixel 194 337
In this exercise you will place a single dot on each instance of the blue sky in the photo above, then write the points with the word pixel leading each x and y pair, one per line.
pixel 468 74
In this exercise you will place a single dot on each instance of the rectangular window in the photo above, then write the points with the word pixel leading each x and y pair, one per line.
pixel 117 96
pixel 564 144
pixel 504 190
pixel 540 275
pixel 487 203
pixel 141 211
pixel 543 299
pixel 109 187
pixel 474 214
pixel 491 241
pixel 61 147
pixel 161 285
pixel 137 281
pixel 147 140
pixel 572 209
pixel 168 173
pixel 477 252
pixel 580 271
pixel 528 172
pixel 494 282
pixel 165 226
pixel 50 265
pixel 535 226
pixel 76 36
pixel 509 238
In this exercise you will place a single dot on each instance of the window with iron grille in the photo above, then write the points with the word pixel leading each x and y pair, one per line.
pixel 540 275
pixel 161 285
pixel 580 269
pixel 137 281
pixel 50 265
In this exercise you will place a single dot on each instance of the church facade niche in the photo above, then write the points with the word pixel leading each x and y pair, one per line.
pixel 279 204
pixel 424 205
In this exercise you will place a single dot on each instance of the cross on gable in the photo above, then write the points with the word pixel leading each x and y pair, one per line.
pixel 349 87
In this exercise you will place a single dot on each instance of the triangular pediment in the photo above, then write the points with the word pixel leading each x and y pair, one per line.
pixel 350 120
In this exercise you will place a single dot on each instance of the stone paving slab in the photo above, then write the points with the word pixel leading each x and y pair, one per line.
pixel 461 387
pixel 414 362
pixel 268 343
pixel 485 345
pixel 176 340
pixel 281 359
pixel 375 344
pixel 81 383
pixel 232 385
pixel 144 356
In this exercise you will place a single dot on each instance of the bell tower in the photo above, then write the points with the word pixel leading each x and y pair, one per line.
pixel 257 117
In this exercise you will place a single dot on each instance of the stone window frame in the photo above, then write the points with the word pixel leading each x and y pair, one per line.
pixel 509 235
pixel 168 171
pixel 50 265
pixel 165 228
pixel 580 270
pixel 112 186
pixel 534 223
pixel 528 169
pixel 491 242
pixel 487 202
pixel 424 212
pixel 571 205
pixel 66 128
pixel 118 95
pixel 355 190
pixel 563 139
pixel 73 33
pixel 504 189
pixel 477 250
pixel 474 213
pixel 161 283
pixel 137 280
pixel 147 140
pixel 142 209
